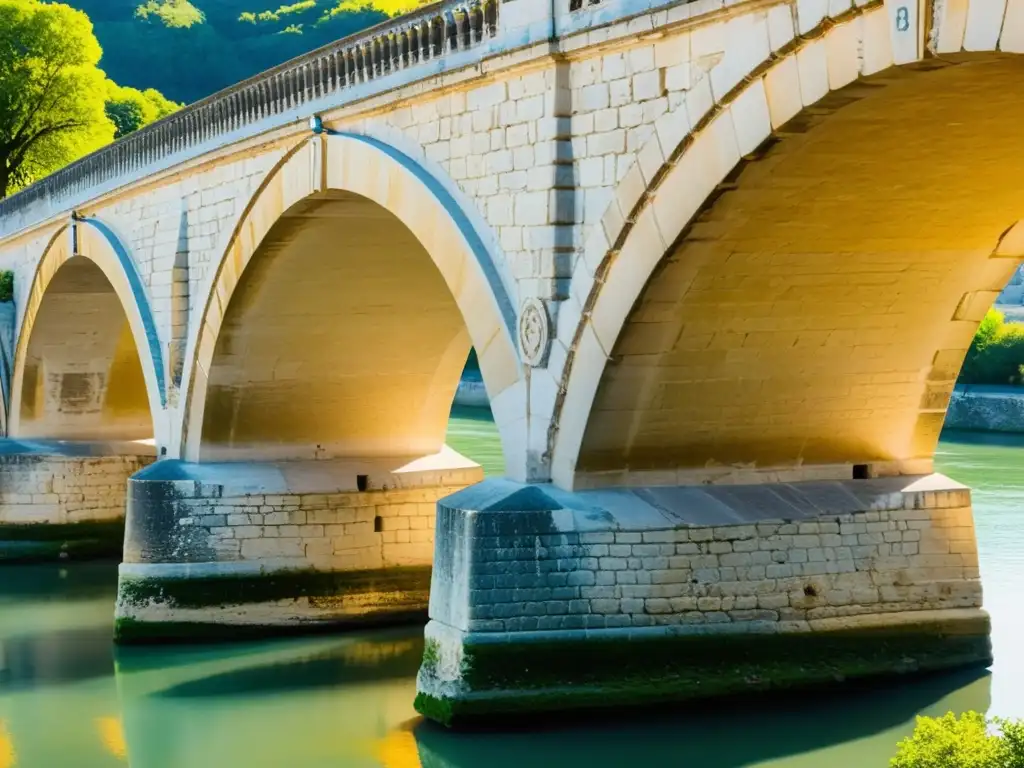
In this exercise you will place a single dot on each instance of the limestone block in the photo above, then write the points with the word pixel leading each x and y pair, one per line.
pixel 750 117
pixel 984 23
pixel 904 30
pixel 842 47
pixel 951 23
pixel 812 63
pixel 780 26
pixel 1012 38
pixel 876 42
pixel 810 13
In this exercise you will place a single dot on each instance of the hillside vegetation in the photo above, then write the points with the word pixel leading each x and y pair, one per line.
pixel 190 49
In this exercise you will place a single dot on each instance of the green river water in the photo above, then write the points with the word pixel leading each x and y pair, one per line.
pixel 68 699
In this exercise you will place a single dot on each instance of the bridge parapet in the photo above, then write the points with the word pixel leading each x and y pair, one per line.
pixel 437 37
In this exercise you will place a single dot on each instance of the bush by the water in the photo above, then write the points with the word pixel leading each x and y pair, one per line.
pixel 997 354
pixel 6 285
pixel 968 741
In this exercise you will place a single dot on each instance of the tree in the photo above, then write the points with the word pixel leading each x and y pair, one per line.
pixel 968 741
pixel 130 109
pixel 52 92
pixel 177 14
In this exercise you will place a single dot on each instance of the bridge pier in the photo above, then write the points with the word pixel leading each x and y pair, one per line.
pixel 63 499
pixel 230 550
pixel 543 599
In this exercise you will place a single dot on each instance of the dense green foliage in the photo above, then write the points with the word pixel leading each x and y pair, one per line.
pixel 52 92
pixel 130 109
pixel 56 104
pixel 7 285
pixel 997 354
pixel 969 741
pixel 190 49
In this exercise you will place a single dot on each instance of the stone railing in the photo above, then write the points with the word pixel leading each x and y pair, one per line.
pixel 429 33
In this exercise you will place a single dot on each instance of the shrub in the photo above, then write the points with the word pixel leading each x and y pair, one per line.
pixel 997 354
pixel 969 741
pixel 6 286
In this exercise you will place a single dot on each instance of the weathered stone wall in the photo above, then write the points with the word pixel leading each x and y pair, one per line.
pixel 678 592
pixel 279 545
pixel 373 529
pixel 39 488
pixel 996 409
pixel 1011 300
pixel 912 551
pixel 64 500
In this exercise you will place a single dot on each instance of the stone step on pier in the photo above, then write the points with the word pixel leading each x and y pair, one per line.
pixel 65 500
pixel 543 599
pixel 235 550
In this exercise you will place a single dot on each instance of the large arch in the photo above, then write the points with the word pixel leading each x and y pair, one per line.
pixel 87 363
pixel 281 364
pixel 751 302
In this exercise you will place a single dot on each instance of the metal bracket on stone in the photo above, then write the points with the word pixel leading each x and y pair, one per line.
pixel 73 233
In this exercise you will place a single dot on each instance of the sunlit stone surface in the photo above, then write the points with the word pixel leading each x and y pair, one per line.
pixel 694 247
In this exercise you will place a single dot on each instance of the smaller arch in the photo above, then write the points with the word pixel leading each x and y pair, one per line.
pixel 437 36
pixel 351 67
pixel 424 38
pixel 378 58
pixel 491 17
pixel 414 45
pixel 365 167
pixel 476 20
pixel 94 240
pixel 462 20
pixel 403 53
pixel 451 31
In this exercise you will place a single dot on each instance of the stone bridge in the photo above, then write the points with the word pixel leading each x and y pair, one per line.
pixel 721 263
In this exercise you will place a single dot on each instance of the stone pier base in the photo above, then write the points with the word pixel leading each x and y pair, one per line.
pixel 63 500
pixel 547 600
pixel 229 551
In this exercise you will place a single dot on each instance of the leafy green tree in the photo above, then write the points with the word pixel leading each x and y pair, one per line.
pixel 969 741
pixel 176 14
pixel 52 92
pixel 130 109
pixel 996 355
pixel 950 742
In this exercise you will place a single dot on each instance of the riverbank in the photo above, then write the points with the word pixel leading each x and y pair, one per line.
pixel 471 392
pixel 987 408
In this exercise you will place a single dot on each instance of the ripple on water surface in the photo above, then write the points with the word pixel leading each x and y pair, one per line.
pixel 66 698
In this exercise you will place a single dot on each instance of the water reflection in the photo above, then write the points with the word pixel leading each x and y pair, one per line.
pixel 55 658
pixel 280 704
pixel 67 700
pixel 348 702
pixel 857 726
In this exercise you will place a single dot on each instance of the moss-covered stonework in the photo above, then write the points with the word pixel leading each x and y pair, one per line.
pixel 543 599
pixel 69 541
pixel 574 671
pixel 154 609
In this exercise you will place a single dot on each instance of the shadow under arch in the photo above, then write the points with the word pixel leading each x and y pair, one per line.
pixel 726 275
pixel 85 257
pixel 334 193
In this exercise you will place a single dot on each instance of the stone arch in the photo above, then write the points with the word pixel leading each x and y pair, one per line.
pixel 92 241
pixel 694 158
pixel 349 167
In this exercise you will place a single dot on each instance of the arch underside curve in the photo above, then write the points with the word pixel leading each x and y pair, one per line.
pixel 342 313
pixel 809 305
pixel 87 362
